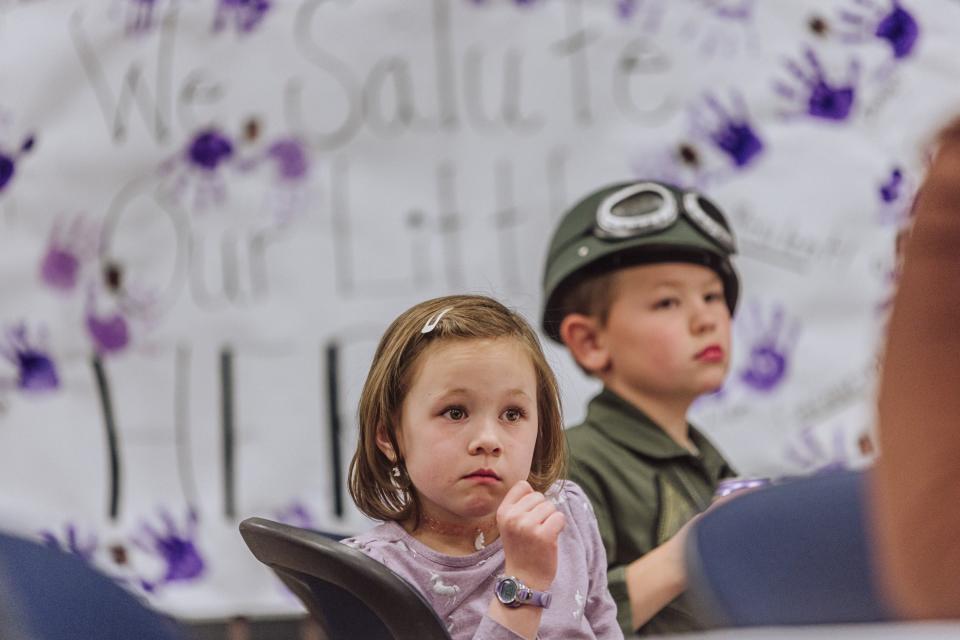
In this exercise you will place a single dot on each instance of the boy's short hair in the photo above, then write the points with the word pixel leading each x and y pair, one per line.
pixel 375 490
pixel 629 224
pixel 591 294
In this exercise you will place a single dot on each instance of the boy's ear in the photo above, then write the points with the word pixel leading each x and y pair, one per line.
pixel 384 444
pixel 582 335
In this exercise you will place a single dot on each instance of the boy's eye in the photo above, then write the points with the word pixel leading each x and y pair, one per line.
pixel 513 415
pixel 666 303
pixel 714 296
pixel 455 413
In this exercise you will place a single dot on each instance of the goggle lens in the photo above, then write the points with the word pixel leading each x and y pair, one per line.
pixel 647 207
pixel 641 204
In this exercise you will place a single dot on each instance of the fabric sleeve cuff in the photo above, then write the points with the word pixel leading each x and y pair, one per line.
pixel 617 584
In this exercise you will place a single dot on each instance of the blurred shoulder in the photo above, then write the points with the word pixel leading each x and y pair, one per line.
pixel 586 443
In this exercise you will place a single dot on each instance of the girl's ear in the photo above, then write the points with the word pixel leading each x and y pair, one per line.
pixel 583 336
pixel 384 444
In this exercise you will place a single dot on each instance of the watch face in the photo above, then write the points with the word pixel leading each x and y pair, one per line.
pixel 507 590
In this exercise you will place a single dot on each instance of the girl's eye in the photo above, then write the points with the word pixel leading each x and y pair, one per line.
pixel 666 303
pixel 455 413
pixel 714 296
pixel 513 415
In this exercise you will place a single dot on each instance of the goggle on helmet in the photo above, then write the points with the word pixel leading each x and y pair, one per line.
pixel 636 223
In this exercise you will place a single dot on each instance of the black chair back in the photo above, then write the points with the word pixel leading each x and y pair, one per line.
pixel 351 595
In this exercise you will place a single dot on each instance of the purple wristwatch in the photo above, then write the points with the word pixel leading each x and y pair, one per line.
pixel 513 593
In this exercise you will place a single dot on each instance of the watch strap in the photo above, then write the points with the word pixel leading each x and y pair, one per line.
pixel 535 598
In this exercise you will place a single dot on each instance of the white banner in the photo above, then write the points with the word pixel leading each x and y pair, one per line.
pixel 210 210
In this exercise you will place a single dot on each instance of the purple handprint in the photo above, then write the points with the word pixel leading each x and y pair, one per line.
pixel 288 196
pixel 816 96
pixel 71 542
pixel 890 190
pixel 175 547
pixel 197 169
pixel 730 131
pixel 9 159
pixel 110 333
pixel 895 193
pixel 626 8
pixel 649 13
pixel 891 23
pixel 138 16
pixel 36 370
pixel 208 149
pixel 290 161
pixel 68 248
pixel 808 454
pixel 771 345
pixel 295 513
pixel 246 14
pixel 111 309
pixel 290 158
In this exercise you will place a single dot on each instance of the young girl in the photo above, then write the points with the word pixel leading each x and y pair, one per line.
pixel 461 448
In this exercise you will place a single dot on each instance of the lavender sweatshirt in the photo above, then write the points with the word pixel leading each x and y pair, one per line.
pixel 460 587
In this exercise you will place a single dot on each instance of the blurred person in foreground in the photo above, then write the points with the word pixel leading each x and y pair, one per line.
pixel 916 481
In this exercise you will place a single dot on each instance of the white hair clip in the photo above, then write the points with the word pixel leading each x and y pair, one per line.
pixel 433 321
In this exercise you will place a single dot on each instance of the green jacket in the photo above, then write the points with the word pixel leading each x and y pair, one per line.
pixel 644 487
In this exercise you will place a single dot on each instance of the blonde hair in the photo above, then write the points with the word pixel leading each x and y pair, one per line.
pixel 373 488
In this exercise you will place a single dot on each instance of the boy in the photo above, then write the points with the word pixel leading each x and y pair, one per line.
pixel 638 285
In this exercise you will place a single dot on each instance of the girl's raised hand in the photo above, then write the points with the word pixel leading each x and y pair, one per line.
pixel 529 526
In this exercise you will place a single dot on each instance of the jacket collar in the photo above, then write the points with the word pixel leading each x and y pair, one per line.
pixel 630 427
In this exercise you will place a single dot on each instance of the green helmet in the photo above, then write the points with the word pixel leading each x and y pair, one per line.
pixel 633 223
